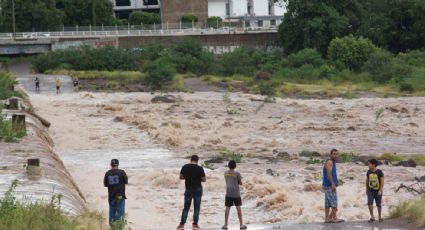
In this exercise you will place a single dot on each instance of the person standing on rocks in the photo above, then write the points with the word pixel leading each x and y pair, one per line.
pixel 330 184
pixel 116 179
pixel 374 188
pixel 37 84
pixel 194 175
pixel 58 84
pixel 233 195
pixel 75 83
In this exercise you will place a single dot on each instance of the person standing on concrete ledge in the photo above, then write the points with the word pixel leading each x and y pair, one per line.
pixel 116 179
pixel 233 195
pixel 194 175
pixel 330 183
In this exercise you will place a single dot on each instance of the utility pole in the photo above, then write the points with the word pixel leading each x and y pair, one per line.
pixel 93 12
pixel 13 18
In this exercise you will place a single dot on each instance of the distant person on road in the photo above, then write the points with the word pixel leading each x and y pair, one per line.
pixel 233 194
pixel 116 179
pixel 194 175
pixel 58 84
pixel 75 82
pixel 330 183
pixel 374 188
pixel 37 84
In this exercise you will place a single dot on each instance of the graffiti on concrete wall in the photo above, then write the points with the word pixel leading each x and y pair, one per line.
pixel 96 43
pixel 24 49
pixel 227 49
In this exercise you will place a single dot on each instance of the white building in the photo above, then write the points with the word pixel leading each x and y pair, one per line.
pixel 252 13
pixel 123 8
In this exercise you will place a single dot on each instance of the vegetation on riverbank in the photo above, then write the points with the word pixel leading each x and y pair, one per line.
pixel 7 134
pixel 24 215
pixel 413 210
pixel 303 73
pixel 7 83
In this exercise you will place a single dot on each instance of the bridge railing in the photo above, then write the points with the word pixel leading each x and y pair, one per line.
pixel 137 30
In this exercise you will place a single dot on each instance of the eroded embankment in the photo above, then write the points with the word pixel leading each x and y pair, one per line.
pixel 54 178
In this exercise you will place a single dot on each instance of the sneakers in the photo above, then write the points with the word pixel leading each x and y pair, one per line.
pixel 195 226
pixel 180 227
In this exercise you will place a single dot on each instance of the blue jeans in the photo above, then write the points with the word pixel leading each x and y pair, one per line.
pixel 196 195
pixel 116 210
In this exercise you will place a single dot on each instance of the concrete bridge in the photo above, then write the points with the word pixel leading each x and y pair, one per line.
pixel 218 41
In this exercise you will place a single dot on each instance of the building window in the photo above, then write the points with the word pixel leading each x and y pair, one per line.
pixel 150 2
pixel 122 3
pixel 227 9
pixel 249 8
pixel 260 23
pixel 272 22
pixel 247 23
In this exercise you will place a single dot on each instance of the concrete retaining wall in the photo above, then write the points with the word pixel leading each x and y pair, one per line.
pixel 54 178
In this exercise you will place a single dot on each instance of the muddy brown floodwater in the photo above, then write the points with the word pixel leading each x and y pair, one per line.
pixel 152 141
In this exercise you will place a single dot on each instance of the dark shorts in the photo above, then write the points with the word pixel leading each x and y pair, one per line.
pixel 373 195
pixel 230 201
pixel 58 87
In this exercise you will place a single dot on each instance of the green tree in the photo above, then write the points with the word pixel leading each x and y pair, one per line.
pixel 189 18
pixel 40 15
pixel 351 51
pixel 311 24
pixel 383 67
pixel 159 72
pixel 86 12
pixel 140 17
pixel 214 22
pixel 305 57
pixel 396 25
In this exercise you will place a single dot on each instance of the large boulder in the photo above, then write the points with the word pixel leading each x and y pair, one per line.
pixel 215 160
pixel 271 172
pixel 409 163
pixel 420 179
pixel 261 75
pixel 281 155
pixel 306 153
pixel 165 99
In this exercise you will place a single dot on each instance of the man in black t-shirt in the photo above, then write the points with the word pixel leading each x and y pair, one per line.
pixel 194 175
pixel 116 179
pixel 374 187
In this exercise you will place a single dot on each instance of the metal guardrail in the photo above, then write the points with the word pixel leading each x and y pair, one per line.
pixel 134 31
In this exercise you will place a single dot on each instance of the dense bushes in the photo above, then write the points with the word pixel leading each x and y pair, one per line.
pixel 189 18
pixel 189 56
pixel 159 72
pixel 214 22
pixel 305 57
pixel 240 61
pixel 7 83
pixel 351 51
pixel 86 58
pixel 146 18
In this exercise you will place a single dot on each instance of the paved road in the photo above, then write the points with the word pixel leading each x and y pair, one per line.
pixel 47 82
pixel 387 225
